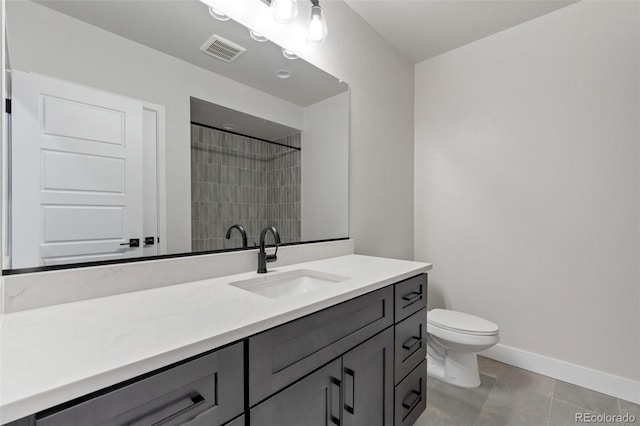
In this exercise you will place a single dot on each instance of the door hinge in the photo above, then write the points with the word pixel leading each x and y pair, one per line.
pixel 7 106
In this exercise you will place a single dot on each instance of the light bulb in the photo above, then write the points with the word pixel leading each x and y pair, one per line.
pixel 257 36
pixel 316 26
pixel 284 11
pixel 217 14
pixel 289 54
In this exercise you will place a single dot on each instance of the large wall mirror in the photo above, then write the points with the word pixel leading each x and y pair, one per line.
pixel 149 128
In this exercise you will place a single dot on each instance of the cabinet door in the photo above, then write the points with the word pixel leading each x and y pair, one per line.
pixel 313 401
pixel 367 377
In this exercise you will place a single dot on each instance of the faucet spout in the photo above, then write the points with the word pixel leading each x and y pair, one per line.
pixel 263 257
pixel 240 229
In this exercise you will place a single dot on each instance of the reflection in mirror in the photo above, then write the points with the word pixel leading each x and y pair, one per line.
pixel 150 128
pixel 254 180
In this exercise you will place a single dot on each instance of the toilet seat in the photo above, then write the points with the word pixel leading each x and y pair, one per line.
pixel 461 323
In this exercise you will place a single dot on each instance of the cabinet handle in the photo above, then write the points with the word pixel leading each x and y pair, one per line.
pixel 351 375
pixel 333 382
pixel 183 406
pixel 411 342
pixel 415 397
pixel 411 297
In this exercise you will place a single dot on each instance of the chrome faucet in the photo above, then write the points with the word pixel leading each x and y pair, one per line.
pixel 240 229
pixel 263 257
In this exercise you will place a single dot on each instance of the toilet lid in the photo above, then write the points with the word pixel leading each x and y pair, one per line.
pixel 461 322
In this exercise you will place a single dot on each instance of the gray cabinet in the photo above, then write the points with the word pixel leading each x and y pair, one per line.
pixel 410 296
pixel 208 390
pixel 27 421
pixel 313 401
pixel 237 422
pixel 410 343
pixel 376 381
pixel 367 374
pixel 411 396
pixel 360 379
pixel 284 354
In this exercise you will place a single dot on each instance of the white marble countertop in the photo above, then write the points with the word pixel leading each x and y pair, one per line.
pixel 57 353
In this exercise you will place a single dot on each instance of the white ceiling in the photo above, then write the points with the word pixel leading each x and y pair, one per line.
pixel 213 115
pixel 180 27
pixel 421 29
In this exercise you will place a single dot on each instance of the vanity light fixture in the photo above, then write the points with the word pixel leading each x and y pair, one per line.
pixel 284 11
pixel 217 14
pixel 257 36
pixel 289 54
pixel 316 24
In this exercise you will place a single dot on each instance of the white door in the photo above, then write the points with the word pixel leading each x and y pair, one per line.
pixel 76 170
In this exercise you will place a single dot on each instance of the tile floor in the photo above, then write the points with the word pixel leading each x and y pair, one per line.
pixel 510 396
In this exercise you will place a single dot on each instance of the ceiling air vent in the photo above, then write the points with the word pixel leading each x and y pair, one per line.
pixel 221 48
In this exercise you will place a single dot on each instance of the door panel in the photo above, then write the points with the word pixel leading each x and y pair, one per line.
pixel 88 122
pixel 313 401
pixel 82 198
pixel 61 171
pixel 62 223
pixel 367 377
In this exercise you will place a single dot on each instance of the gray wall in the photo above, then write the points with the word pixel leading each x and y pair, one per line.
pixel 527 174
pixel 240 180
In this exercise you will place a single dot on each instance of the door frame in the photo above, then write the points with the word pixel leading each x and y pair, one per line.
pixel 161 174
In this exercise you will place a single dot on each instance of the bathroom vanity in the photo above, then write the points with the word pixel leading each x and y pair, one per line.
pixel 350 353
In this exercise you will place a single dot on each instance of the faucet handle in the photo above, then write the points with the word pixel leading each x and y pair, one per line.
pixel 271 258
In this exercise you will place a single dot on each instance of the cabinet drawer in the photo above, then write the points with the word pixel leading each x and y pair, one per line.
pixel 284 354
pixel 411 396
pixel 211 384
pixel 410 343
pixel 410 296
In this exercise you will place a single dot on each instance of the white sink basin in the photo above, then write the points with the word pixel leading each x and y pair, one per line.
pixel 287 284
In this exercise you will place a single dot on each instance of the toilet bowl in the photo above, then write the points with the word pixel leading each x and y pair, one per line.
pixel 453 340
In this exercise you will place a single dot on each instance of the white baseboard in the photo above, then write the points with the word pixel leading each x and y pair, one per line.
pixel 596 380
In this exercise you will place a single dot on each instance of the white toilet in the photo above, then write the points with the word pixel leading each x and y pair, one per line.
pixel 453 339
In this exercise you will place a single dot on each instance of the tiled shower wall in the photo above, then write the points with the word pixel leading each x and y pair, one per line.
pixel 240 180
